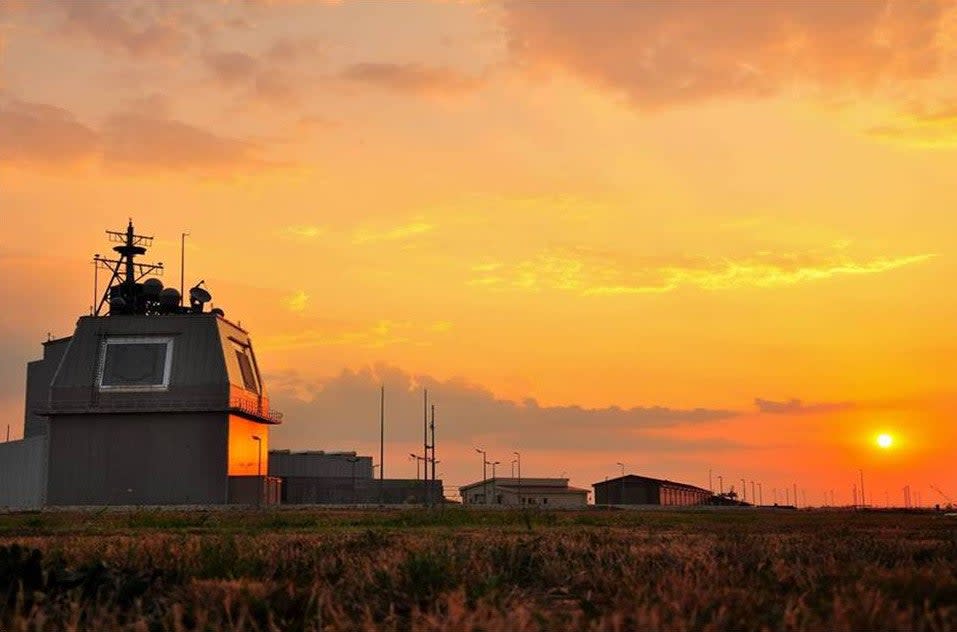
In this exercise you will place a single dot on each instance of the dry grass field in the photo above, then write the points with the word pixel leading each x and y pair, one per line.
pixel 454 569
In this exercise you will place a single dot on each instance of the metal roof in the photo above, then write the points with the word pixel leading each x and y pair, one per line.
pixel 647 479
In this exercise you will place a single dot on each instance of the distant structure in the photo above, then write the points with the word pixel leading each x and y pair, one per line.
pixel 153 403
pixel 546 493
pixel 643 490
pixel 342 478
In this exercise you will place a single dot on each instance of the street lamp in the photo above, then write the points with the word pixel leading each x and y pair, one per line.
pixel 484 463
pixel 417 459
pixel 518 458
pixel 353 460
pixel 493 464
pixel 259 469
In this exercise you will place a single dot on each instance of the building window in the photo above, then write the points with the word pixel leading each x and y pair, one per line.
pixel 246 367
pixel 140 363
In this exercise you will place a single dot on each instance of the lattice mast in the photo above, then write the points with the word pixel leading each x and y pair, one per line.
pixel 124 293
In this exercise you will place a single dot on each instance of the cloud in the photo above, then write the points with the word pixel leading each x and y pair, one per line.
pixel 397 233
pixel 415 79
pixel 921 125
pixel 127 28
pixel 323 412
pixel 589 273
pixel 268 79
pixel 797 407
pixel 37 134
pixel 297 301
pixel 376 335
pixel 142 141
pixel 304 231
pixel 671 52
pixel 232 67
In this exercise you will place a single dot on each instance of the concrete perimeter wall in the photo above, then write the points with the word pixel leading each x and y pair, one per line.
pixel 23 473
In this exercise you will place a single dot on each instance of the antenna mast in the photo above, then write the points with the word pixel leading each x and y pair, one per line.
pixel 122 291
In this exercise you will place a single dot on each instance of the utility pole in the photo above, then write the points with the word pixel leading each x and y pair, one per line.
pixel 433 453
pixel 710 482
pixel 863 501
pixel 518 457
pixel 760 495
pixel 381 444
pixel 753 496
pixel 720 484
pixel 425 443
pixel 795 494
pixel 744 491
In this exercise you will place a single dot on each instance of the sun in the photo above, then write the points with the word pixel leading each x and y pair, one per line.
pixel 884 440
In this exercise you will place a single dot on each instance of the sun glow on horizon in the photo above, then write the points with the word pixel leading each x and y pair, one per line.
pixel 885 440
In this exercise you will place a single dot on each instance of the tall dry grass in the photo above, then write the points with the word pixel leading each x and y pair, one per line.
pixel 460 570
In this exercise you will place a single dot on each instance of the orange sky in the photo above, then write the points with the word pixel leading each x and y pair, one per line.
pixel 678 235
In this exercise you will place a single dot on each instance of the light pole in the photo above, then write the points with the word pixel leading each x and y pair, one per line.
pixel 182 265
pixel 518 458
pixel 744 491
pixel 353 460
pixel 417 459
pixel 259 469
pixel 863 502
pixel 760 495
pixel 720 485
pixel 621 484
pixel 753 497
pixel 493 464
pixel 484 463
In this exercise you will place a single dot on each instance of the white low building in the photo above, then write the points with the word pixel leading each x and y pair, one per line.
pixel 546 493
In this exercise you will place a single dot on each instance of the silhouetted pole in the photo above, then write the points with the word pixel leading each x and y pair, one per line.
pixel 381 443
pixel 744 491
pixel 493 464
pixel 787 497
pixel 431 491
pixel 710 482
pixel 518 457
pixel 259 469
pixel 484 463
pixel 760 495
pixel 795 494
pixel 753 496
pixel 182 266
pixel 863 501
pixel 425 444
pixel 721 484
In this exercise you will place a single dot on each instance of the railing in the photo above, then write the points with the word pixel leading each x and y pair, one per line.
pixel 142 403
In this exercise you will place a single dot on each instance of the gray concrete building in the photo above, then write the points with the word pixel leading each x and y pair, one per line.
pixel 343 478
pixel 152 403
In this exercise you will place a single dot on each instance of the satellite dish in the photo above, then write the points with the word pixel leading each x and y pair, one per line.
pixel 199 295
pixel 218 312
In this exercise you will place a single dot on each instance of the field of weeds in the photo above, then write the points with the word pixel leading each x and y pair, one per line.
pixel 455 569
